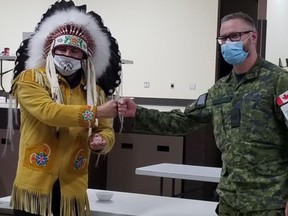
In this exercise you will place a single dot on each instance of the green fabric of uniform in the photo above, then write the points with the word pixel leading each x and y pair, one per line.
pixel 226 210
pixel 249 130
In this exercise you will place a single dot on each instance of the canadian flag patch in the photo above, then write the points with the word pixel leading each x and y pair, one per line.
pixel 282 99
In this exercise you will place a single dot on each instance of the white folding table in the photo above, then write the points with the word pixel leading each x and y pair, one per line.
pixel 180 171
pixel 134 204
pixel 2 73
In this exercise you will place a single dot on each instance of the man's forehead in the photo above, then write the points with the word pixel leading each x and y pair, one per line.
pixel 233 25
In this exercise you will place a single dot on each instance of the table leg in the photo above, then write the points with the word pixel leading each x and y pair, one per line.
pixel 173 187
pixel 161 186
pixel 1 76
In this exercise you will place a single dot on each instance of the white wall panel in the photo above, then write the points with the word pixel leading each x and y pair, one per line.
pixel 170 41
pixel 277 31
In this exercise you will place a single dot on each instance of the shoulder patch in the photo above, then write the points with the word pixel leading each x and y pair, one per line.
pixel 282 99
pixel 201 101
pixel 284 110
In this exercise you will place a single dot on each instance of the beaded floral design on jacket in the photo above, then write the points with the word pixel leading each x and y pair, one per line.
pixel 41 158
pixel 80 160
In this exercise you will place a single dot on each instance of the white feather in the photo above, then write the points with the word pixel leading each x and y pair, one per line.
pixel 101 54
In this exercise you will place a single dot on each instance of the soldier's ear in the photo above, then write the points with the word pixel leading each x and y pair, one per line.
pixel 254 35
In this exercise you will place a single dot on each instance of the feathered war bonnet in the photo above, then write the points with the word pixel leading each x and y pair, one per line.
pixel 67 24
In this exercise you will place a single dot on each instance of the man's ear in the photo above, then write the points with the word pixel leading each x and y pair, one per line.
pixel 255 35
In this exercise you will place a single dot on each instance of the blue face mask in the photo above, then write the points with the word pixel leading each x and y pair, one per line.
pixel 233 52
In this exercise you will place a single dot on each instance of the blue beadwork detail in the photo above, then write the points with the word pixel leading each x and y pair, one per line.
pixel 41 159
pixel 87 115
pixel 79 162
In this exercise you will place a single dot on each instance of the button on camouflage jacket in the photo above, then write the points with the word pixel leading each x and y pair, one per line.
pixel 249 130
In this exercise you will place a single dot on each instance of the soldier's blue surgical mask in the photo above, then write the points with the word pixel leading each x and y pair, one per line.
pixel 233 52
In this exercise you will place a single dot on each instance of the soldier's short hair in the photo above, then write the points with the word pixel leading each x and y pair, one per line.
pixel 240 15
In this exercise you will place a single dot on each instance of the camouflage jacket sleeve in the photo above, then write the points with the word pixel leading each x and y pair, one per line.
pixel 174 122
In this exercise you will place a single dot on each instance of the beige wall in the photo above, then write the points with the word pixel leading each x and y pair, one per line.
pixel 277 31
pixel 170 41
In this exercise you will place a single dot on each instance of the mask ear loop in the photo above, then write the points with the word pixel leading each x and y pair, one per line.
pixel 245 41
pixel 251 33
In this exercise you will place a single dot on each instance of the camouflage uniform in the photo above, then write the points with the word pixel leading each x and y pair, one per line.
pixel 249 130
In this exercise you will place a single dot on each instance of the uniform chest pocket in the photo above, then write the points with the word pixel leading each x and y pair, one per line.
pixel 251 101
pixel 256 106
pixel 222 100
pixel 222 107
pixel 221 115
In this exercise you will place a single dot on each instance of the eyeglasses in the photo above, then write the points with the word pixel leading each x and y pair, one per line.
pixel 235 36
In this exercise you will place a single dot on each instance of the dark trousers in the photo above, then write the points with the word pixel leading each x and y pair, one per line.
pixel 56 198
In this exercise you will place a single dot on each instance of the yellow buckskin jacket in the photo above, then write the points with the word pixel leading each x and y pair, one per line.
pixel 46 155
